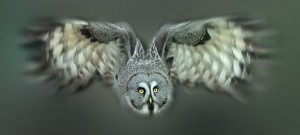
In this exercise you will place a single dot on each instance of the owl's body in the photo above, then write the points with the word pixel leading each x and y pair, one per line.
pixel 215 52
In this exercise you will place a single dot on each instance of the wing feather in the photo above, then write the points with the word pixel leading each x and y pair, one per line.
pixel 215 52
pixel 78 50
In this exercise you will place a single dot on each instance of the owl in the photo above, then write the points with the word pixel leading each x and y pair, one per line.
pixel 217 53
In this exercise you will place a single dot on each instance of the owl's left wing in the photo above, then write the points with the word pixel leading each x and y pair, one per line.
pixel 215 52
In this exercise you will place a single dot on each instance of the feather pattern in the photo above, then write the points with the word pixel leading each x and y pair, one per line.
pixel 70 51
pixel 220 55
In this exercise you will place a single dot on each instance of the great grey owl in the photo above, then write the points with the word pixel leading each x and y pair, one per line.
pixel 216 53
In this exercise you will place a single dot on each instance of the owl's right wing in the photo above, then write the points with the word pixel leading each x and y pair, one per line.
pixel 74 51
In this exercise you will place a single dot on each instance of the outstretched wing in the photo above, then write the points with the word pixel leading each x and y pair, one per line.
pixel 74 51
pixel 216 52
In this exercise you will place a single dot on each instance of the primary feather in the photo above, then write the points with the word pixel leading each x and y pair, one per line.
pixel 75 50
pixel 215 52
pixel 218 53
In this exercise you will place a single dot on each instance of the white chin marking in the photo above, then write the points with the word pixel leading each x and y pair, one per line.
pixel 145 110
pixel 155 111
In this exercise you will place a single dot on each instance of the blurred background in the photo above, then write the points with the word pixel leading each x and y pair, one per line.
pixel 27 108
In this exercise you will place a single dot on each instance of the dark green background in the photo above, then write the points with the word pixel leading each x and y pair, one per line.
pixel 27 109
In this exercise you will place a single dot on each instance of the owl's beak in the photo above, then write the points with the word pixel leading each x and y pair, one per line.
pixel 150 100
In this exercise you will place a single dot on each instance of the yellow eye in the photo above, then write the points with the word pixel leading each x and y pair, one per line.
pixel 155 90
pixel 141 91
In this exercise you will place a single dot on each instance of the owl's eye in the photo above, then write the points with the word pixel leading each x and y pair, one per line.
pixel 155 90
pixel 141 90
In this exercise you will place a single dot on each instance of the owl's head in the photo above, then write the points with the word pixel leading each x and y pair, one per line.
pixel 145 83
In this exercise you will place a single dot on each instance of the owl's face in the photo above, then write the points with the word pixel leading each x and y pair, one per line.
pixel 149 94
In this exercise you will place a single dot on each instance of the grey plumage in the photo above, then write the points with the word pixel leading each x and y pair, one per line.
pixel 141 71
pixel 217 61
pixel 74 50
pixel 215 52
